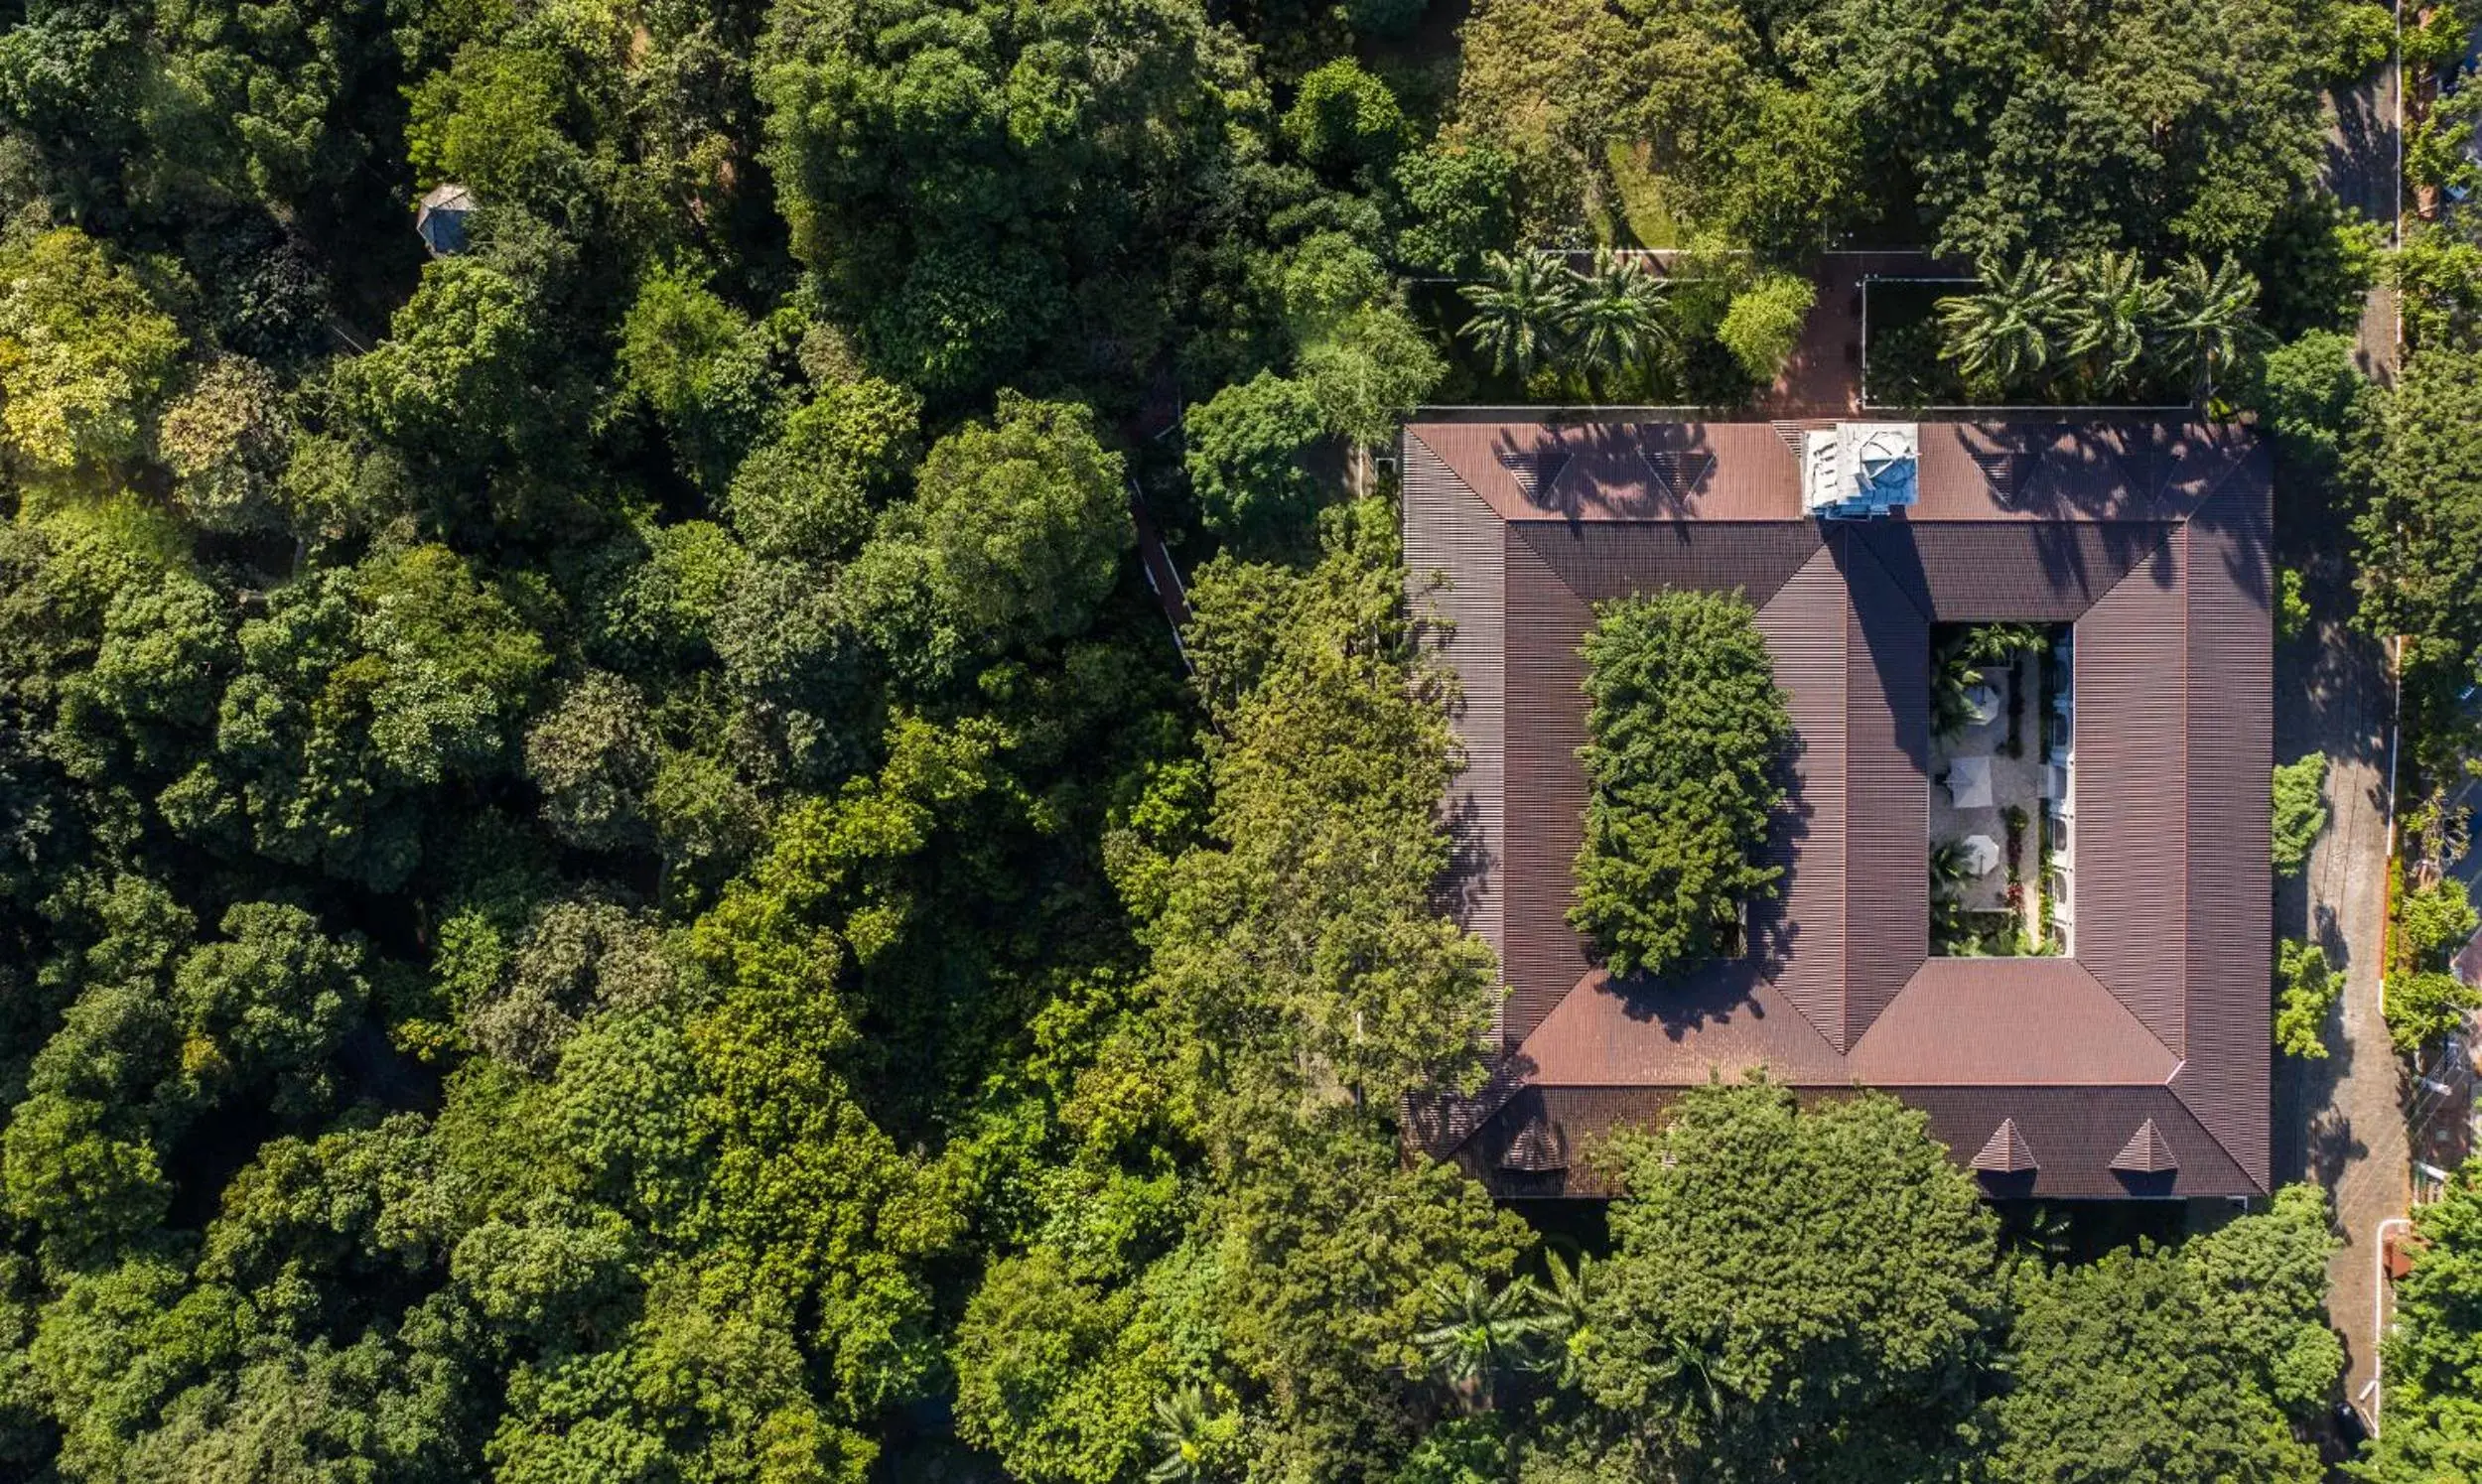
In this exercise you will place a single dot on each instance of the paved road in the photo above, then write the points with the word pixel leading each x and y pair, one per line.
pixel 2364 158
pixel 1823 376
pixel 2340 1120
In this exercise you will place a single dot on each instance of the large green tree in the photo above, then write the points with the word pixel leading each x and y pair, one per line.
pixel 1795 1291
pixel 1025 519
pixel 2205 1362
pixel 1684 767
pixel 961 171
pixel 84 352
pixel 2419 538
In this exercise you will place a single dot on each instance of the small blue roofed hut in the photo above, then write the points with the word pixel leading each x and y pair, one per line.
pixel 442 219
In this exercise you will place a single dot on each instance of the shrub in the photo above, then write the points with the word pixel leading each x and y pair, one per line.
pixel 1764 322
pixel 2425 1007
pixel 2306 989
pixel 1245 458
pixel 2301 810
pixel 1460 199
pixel 2433 920
pixel 2292 605
pixel 1344 118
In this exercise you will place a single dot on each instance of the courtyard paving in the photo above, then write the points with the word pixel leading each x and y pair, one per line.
pixel 2013 781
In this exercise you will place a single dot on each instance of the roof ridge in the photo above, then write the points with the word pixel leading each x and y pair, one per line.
pixel 2173 532
pixel 1858 538
pixel 2133 1018
pixel 2232 463
pixel 1844 1038
pixel 2233 519
pixel 1855 540
pixel 2189 745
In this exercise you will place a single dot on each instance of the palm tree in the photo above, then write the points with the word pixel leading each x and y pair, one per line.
pixel 1559 1315
pixel 1950 930
pixel 1475 1332
pixel 2109 310
pixel 2210 318
pixel 1523 309
pixel 1953 672
pixel 1949 874
pixel 2003 336
pixel 1182 1425
pixel 1620 309
pixel 2046 1233
pixel 1689 1366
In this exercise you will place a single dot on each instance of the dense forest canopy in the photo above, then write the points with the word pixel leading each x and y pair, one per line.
pixel 608 870
pixel 1984 129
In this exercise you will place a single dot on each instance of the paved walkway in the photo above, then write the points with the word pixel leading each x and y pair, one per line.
pixel 1163 578
pixel 2340 1120
pixel 2360 168
pixel 1823 376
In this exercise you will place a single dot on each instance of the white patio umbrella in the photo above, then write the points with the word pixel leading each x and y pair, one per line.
pixel 1969 782
pixel 1982 703
pixel 1982 853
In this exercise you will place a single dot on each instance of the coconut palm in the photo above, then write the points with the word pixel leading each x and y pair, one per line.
pixel 2005 334
pixel 1620 309
pixel 2047 1233
pixel 1953 672
pixel 1475 1333
pixel 1688 1366
pixel 1522 310
pixel 2109 309
pixel 2210 319
pixel 1560 1316
pixel 1183 1422
pixel 1950 931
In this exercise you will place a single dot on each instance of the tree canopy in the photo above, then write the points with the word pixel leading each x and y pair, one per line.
pixel 1846 1336
pixel 2435 1352
pixel 1684 765
pixel 2198 1363
pixel 608 867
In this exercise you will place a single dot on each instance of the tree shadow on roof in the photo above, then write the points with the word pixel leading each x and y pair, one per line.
pixel 2102 472
pixel 1717 990
pixel 2105 486
pixel 1622 470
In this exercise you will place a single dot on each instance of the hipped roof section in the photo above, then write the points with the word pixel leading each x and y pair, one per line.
pixel 2151 539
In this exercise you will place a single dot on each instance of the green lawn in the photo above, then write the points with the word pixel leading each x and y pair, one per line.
pixel 1645 221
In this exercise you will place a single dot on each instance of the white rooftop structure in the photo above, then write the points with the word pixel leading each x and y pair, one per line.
pixel 1859 470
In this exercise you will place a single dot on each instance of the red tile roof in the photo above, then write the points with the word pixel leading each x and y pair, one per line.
pixel 2151 540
